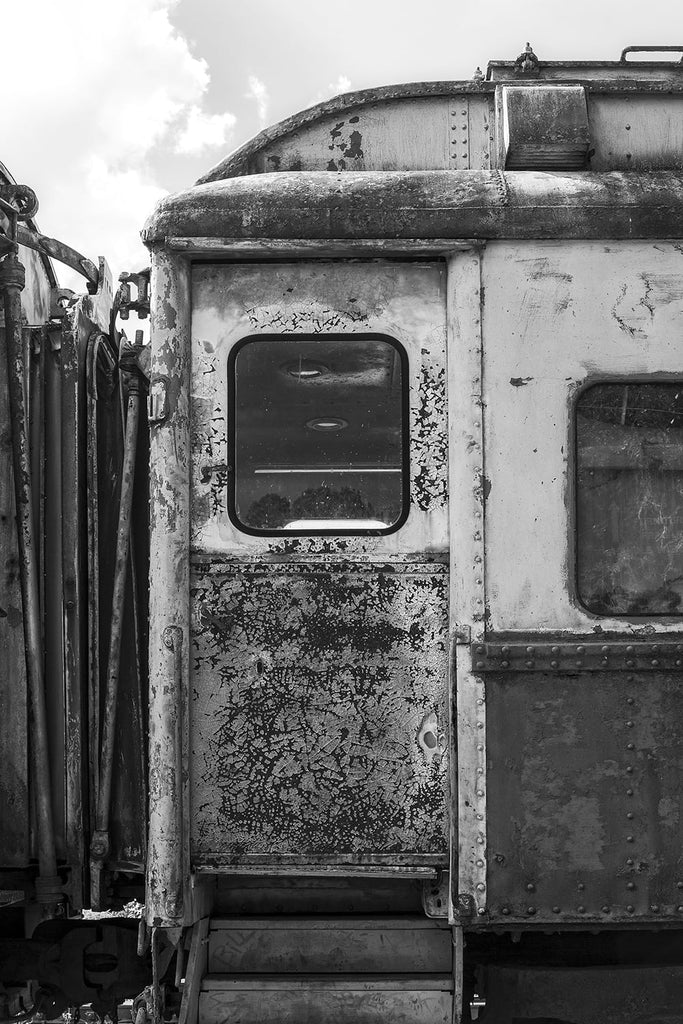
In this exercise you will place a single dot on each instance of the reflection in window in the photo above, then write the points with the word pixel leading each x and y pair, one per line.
pixel 630 498
pixel 318 434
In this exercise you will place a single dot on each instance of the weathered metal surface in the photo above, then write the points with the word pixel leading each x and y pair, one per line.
pixel 546 656
pixel 585 820
pixel 557 316
pixel 14 796
pixel 167 864
pixel 31 238
pixel 320 944
pixel 467 590
pixel 401 301
pixel 585 995
pixel 545 127
pixel 412 134
pixel 635 133
pixel 312 999
pixel 12 280
pixel 423 204
pixel 309 690
pixel 470 133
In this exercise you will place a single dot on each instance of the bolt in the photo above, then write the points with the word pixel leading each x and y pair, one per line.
pixel 629 700
pixel 581 909
pixel 556 910
pixel 629 724
pixel 630 908
pixel 630 885
pixel 630 746
pixel 580 650
pixel 581 887
pixel 531 887
pixel 629 839
pixel 629 861
pixel 629 815
pixel 505 910
pixel 531 910
pixel 605 910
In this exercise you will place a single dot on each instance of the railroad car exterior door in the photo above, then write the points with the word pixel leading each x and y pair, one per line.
pixel 319 708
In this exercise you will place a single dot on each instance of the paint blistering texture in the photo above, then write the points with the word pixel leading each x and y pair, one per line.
pixel 309 689
pixel 584 811
pixel 429 443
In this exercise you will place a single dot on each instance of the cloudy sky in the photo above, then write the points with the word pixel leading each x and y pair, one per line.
pixel 107 106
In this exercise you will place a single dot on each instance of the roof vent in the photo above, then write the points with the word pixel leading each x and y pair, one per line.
pixel 545 127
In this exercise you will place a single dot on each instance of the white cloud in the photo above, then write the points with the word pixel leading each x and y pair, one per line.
pixel 114 83
pixel 257 91
pixel 202 131
pixel 343 84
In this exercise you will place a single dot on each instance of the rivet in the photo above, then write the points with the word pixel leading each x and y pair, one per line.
pixel 480 771
pixel 553 664
pixel 505 664
pixel 655 663
pixel 678 662
pixel 629 649
pixel 581 909
pixel 630 908
pixel 629 700
pixel 505 650
pixel 478 582
pixel 531 887
pixel 630 746
pixel 453 126
pixel 555 650
pixel 529 664
pixel 605 910
pixel 679 885
pixel 480 793
pixel 629 792
pixel 630 663
pixel 505 910
pixel 479 664
pixel 556 910
pixel 481 911
pixel 529 650
pixel 629 768
pixel 480 817
pixel 605 649
pixel 464 113
pixel 480 747
pixel 654 908
pixel 654 648
pixel 481 650
pixel 479 701
pixel 480 840
pixel 480 863
pixel 581 887
pixel 480 886
pixel 480 725
pixel 631 885
pixel 531 910
pixel 629 839
pixel 580 650
pixel 629 679
pixel 629 724
pixel 579 663
pixel 629 861
pixel 680 910
pixel 629 815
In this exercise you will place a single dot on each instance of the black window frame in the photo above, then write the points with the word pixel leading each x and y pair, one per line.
pixel 282 534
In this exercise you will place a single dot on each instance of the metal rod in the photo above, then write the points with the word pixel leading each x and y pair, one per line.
pixel 100 844
pixel 12 282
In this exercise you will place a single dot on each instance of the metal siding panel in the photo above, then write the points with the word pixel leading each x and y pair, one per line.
pixel 310 688
pixel 584 802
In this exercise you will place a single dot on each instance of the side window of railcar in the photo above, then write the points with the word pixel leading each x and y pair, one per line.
pixel 629 443
pixel 318 434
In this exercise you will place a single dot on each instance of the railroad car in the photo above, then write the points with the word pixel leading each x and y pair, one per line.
pixel 415 405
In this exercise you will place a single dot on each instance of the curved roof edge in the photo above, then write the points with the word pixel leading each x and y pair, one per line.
pixel 236 163
pixel 425 205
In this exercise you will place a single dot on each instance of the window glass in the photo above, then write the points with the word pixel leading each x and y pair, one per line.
pixel 318 427
pixel 630 498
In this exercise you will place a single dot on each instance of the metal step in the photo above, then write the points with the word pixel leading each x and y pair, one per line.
pixel 331 944
pixel 327 999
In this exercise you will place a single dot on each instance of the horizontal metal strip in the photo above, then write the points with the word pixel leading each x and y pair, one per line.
pixel 571 657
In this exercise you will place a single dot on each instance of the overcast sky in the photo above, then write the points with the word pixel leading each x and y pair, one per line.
pixel 107 106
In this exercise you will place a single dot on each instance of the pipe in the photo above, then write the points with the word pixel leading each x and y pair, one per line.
pixel 99 847
pixel 48 885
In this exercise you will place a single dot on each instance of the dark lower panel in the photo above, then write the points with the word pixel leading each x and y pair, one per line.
pixel 319 714
pixel 584 798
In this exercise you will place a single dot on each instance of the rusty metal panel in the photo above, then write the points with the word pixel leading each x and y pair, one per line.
pixel 556 316
pixel 14 797
pixel 409 134
pixel 319 714
pixel 636 133
pixel 585 813
pixel 404 301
